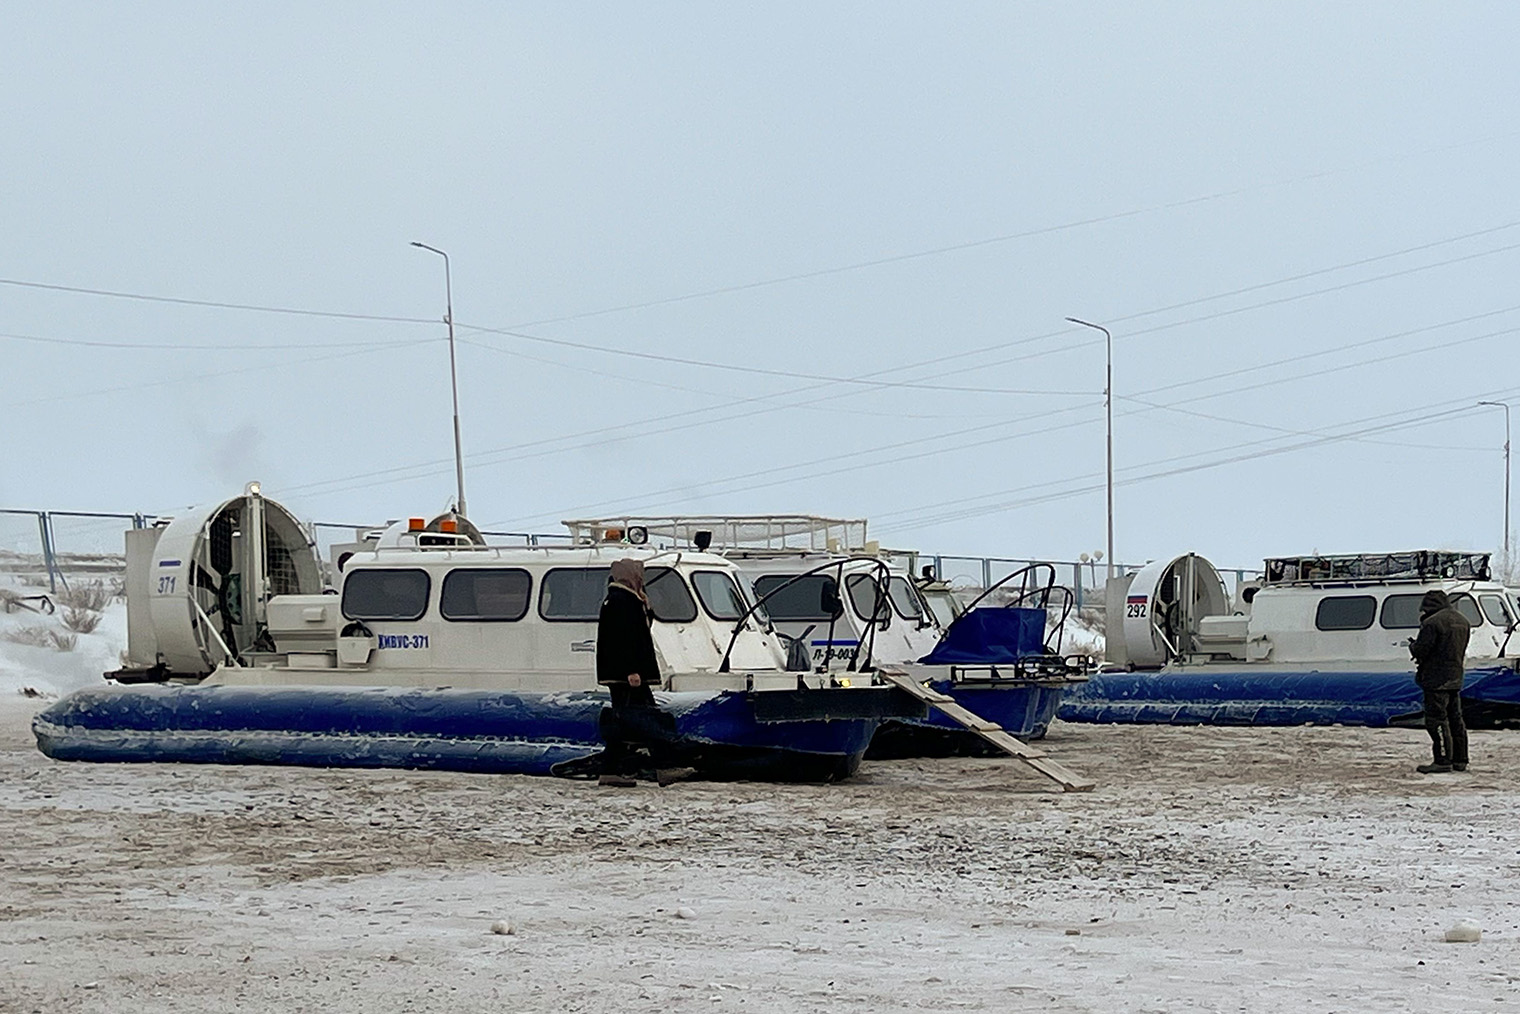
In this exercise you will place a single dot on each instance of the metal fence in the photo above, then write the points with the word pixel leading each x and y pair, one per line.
pixel 1087 579
pixel 53 545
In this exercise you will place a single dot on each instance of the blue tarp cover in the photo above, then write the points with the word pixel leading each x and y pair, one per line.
pixel 991 636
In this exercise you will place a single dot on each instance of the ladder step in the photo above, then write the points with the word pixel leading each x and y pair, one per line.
pixel 1011 744
pixel 993 733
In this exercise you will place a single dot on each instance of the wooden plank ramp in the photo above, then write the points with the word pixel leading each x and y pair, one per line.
pixel 993 733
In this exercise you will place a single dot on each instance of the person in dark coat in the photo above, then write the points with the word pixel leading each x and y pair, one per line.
pixel 626 665
pixel 625 659
pixel 1439 653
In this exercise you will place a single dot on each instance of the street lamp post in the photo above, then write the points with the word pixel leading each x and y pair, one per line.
pixel 1505 406
pixel 1108 406
pixel 448 290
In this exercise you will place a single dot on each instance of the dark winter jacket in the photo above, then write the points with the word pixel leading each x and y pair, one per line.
pixel 624 644
pixel 1441 647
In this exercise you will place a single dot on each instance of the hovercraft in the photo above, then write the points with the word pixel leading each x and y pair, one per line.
pixel 420 646
pixel 1317 640
pixel 842 602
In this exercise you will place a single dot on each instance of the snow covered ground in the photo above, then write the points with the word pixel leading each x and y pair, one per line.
pixel 1303 869
pixel 45 669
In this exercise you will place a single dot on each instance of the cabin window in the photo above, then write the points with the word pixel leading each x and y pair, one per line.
pixel 572 593
pixel 1345 612
pixel 1401 612
pixel 720 597
pixel 863 590
pixel 668 596
pixel 1465 605
pixel 386 594
pixel 942 604
pixel 1497 610
pixel 904 599
pixel 479 593
pixel 575 594
pixel 802 599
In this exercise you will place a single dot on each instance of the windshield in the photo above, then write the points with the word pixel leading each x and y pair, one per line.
pixel 942 604
pixel 1465 605
pixel 802 599
pixel 718 594
pixel 862 589
pixel 1497 610
pixel 904 599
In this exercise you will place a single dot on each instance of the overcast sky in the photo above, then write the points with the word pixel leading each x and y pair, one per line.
pixel 1299 222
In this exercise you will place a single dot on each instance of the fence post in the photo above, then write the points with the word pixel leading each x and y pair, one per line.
pixel 1076 572
pixel 45 527
pixel 986 573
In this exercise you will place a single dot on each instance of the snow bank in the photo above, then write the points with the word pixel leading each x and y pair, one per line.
pixel 46 670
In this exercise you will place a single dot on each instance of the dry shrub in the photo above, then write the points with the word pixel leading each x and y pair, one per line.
pixel 87 595
pixel 82 620
pixel 34 580
pixel 41 636
pixel 35 636
pixel 10 600
pixel 118 588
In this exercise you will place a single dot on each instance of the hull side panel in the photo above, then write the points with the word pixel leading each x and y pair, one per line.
pixel 1254 696
pixel 1024 711
pixel 460 730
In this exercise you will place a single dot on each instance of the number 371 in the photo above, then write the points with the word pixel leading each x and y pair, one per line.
pixel 166 585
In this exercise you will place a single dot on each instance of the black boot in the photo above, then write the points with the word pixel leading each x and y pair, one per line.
pixel 1440 749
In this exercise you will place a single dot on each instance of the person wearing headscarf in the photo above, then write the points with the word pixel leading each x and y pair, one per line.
pixel 625 659
pixel 626 665
pixel 1439 653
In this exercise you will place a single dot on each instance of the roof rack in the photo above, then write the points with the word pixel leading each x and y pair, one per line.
pixel 745 531
pixel 1415 565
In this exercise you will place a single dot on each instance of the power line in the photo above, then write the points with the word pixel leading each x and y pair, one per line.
pixel 481 457
pixel 993 240
pixel 763 371
pixel 1462 403
pixel 1204 318
pixel 687 389
pixel 214 304
pixel 284 366
pixel 921 519
pixel 644 499
pixel 196 348
pixel 373 479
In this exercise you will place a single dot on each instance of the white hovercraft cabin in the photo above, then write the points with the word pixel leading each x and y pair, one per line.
pixel 820 580
pixel 421 605
pixel 1315 611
